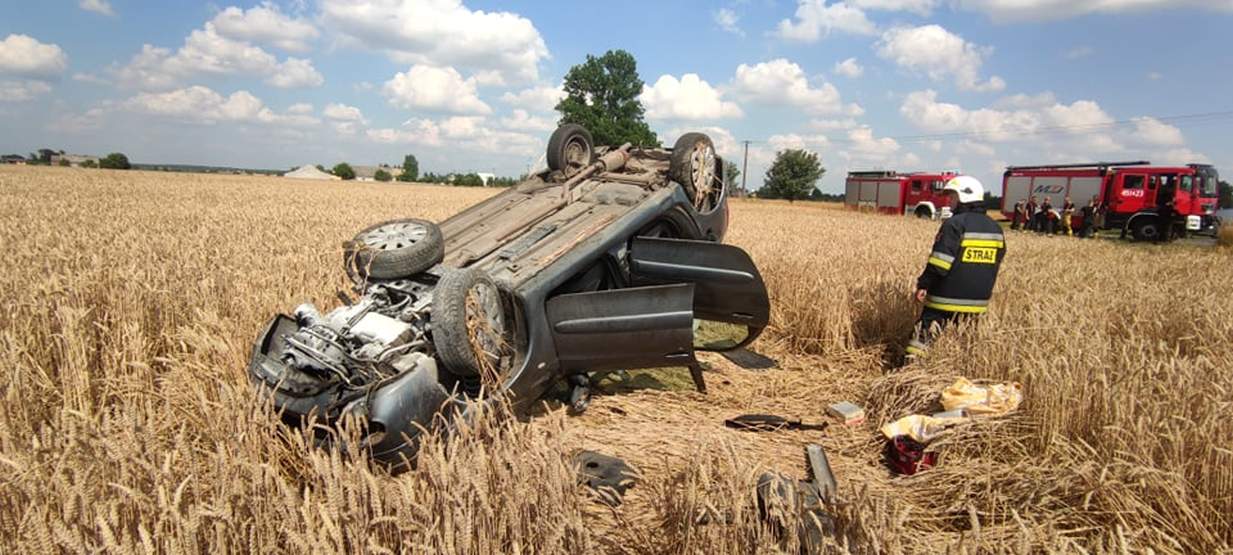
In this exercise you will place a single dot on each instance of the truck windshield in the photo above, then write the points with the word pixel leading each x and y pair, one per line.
pixel 1209 185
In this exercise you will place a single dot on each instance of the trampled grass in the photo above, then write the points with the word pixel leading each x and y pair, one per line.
pixel 131 301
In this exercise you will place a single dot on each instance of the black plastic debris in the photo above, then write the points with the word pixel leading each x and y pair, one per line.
pixel 750 360
pixel 769 423
pixel 608 476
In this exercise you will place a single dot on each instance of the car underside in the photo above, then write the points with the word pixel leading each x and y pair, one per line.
pixel 608 260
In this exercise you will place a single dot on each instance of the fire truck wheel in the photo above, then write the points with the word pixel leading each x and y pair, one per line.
pixel 1146 229
pixel 924 212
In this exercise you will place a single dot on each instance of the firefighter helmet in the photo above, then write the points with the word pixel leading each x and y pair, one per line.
pixel 968 188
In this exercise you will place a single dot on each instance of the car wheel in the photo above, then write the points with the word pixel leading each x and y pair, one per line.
pixel 693 166
pixel 471 327
pixel 569 149
pixel 394 249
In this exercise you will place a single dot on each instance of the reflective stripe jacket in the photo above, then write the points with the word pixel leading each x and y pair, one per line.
pixel 964 264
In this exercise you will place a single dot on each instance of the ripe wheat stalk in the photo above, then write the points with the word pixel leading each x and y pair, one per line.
pixel 128 424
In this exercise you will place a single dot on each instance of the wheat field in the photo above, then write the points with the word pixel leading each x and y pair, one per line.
pixel 131 301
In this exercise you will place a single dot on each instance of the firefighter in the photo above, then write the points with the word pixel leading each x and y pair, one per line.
pixel 1017 220
pixel 1032 210
pixel 1088 214
pixel 963 266
pixel 1068 210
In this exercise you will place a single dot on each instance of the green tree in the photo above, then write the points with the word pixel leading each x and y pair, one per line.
pixel 115 161
pixel 382 176
pixel 602 95
pixel 89 164
pixel 1226 194
pixel 410 168
pixel 792 176
pixel 344 170
pixel 64 163
pixel 732 178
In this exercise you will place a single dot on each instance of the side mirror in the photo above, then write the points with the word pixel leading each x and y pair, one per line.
pixel 713 335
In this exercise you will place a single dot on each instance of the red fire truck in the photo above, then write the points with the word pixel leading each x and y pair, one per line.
pixel 890 192
pixel 1129 195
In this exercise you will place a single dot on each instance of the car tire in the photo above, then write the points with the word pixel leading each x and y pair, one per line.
pixel 469 300
pixel 693 166
pixel 394 249
pixel 570 149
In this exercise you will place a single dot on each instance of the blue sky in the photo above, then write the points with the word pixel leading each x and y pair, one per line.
pixel 972 85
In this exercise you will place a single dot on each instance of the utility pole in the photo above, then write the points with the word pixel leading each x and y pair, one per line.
pixel 745 169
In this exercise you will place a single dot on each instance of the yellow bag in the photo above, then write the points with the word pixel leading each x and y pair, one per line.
pixel 978 400
pixel 919 427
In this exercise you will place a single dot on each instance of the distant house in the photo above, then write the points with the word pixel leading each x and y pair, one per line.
pixel 74 160
pixel 369 173
pixel 16 159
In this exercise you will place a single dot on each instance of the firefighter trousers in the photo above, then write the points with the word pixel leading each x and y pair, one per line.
pixel 932 321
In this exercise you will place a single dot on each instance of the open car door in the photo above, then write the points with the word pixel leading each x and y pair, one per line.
pixel 730 304
pixel 640 327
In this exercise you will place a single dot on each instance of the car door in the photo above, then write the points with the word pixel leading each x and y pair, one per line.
pixel 730 302
pixel 637 327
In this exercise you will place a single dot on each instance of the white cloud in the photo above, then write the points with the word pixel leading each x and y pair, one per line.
pixel 919 7
pixel 780 82
pixel 198 104
pixel 725 143
pixel 939 54
pixel 727 20
pixel 1019 10
pixel 812 143
pixel 25 56
pixel 266 24
pixel 206 51
pixel 1155 132
pixel 97 6
pixel 21 91
pixel 498 46
pixel 833 124
pixel 815 19
pixel 689 98
pixel 342 112
pixel 536 99
pixel 300 108
pixel 1081 51
pixel 849 68
pixel 1080 129
pixel 87 122
pixel 90 78
pixel 434 88
pixel 1180 156
pixel 1154 76
pixel 460 133
pixel 522 120
pixel 863 142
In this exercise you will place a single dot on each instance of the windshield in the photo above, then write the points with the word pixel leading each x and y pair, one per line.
pixel 1209 184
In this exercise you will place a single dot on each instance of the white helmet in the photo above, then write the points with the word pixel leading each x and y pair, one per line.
pixel 967 187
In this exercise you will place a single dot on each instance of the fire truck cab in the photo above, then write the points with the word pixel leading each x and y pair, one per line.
pixel 1136 198
pixel 889 192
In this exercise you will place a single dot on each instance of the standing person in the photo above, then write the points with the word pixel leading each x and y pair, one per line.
pixel 963 266
pixel 1030 213
pixel 1068 210
pixel 1165 196
pixel 1087 227
pixel 1017 220
pixel 1046 217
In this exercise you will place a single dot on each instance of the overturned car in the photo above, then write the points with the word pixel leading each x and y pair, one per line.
pixel 610 259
